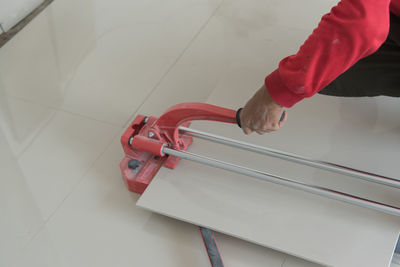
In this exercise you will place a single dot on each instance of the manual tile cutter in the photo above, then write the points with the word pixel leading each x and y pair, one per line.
pixel 151 142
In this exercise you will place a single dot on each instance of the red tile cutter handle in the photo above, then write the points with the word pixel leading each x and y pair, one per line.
pixel 166 128
pixel 145 138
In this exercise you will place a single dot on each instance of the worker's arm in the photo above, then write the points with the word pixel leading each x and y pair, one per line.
pixel 352 30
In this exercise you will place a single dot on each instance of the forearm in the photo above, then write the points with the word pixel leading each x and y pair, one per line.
pixel 352 30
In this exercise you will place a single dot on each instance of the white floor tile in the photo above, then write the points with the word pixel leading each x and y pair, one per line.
pixel 99 225
pixel 28 65
pixel 104 62
pixel 296 262
pixel 141 54
pixel 239 253
pixel 257 15
pixel 77 73
pixel 40 252
pixel 21 121
pixel 60 155
pixel 20 218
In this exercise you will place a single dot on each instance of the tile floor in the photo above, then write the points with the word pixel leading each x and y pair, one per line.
pixel 70 82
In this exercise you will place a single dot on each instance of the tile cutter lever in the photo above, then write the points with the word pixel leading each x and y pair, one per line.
pixel 151 142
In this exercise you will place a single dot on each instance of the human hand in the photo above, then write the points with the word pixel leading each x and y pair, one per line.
pixel 262 114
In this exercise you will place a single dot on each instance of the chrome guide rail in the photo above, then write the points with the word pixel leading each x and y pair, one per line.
pixel 293 158
pixel 321 191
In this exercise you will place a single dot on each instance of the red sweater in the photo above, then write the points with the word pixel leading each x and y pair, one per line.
pixel 352 30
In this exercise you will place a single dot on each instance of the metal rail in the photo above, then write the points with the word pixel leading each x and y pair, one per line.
pixel 371 177
pixel 321 191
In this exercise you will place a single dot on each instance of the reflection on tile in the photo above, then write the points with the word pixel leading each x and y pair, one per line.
pixel 99 225
pixel 71 38
pixel 28 67
pixel 104 62
pixel 60 155
pixel 122 79
pixel 21 121
pixel 110 86
pixel 20 218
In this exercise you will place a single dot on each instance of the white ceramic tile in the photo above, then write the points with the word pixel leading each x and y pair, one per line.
pixel 142 53
pixel 110 86
pixel 99 225
pixel 13 11
pixel 39 252
pixel 247 17
pixel 74 57
pixel 28 66
pixel 21 121
pixel 106 60
pixel 60 155
pixel 296 262
pixel 58 149
pixel 73 32
pixel 20 218
pixel 238 253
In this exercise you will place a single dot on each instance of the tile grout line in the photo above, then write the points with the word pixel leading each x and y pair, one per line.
pixel 148 95
pixel 87 117
pixel 74 187
pixel 6 36
pixel 62 110
pixel 19 155
pixel 83 177
pixel 175 61
pixel 51 117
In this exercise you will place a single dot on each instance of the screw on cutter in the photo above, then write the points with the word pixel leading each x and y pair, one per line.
pixel 133 164
pixel 151 134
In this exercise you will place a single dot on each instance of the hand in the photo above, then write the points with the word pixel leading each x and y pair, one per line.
pixel 261 114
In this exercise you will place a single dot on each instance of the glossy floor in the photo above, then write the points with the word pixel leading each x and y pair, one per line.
pixel 71 81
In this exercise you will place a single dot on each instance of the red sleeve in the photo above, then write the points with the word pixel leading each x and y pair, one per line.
pixel 352 30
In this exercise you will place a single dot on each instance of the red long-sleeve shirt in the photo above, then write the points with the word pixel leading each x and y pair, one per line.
pixel 352 30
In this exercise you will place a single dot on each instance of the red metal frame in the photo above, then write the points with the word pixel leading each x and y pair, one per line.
pixel 145 137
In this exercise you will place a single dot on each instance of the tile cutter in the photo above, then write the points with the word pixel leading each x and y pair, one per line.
pixel 150 143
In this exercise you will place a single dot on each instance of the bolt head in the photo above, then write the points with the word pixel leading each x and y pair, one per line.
pixel 151 134
pixel 133 164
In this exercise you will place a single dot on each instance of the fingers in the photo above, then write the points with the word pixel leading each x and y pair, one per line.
pixel 261 114
pixel 261 126
pixel 246 130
